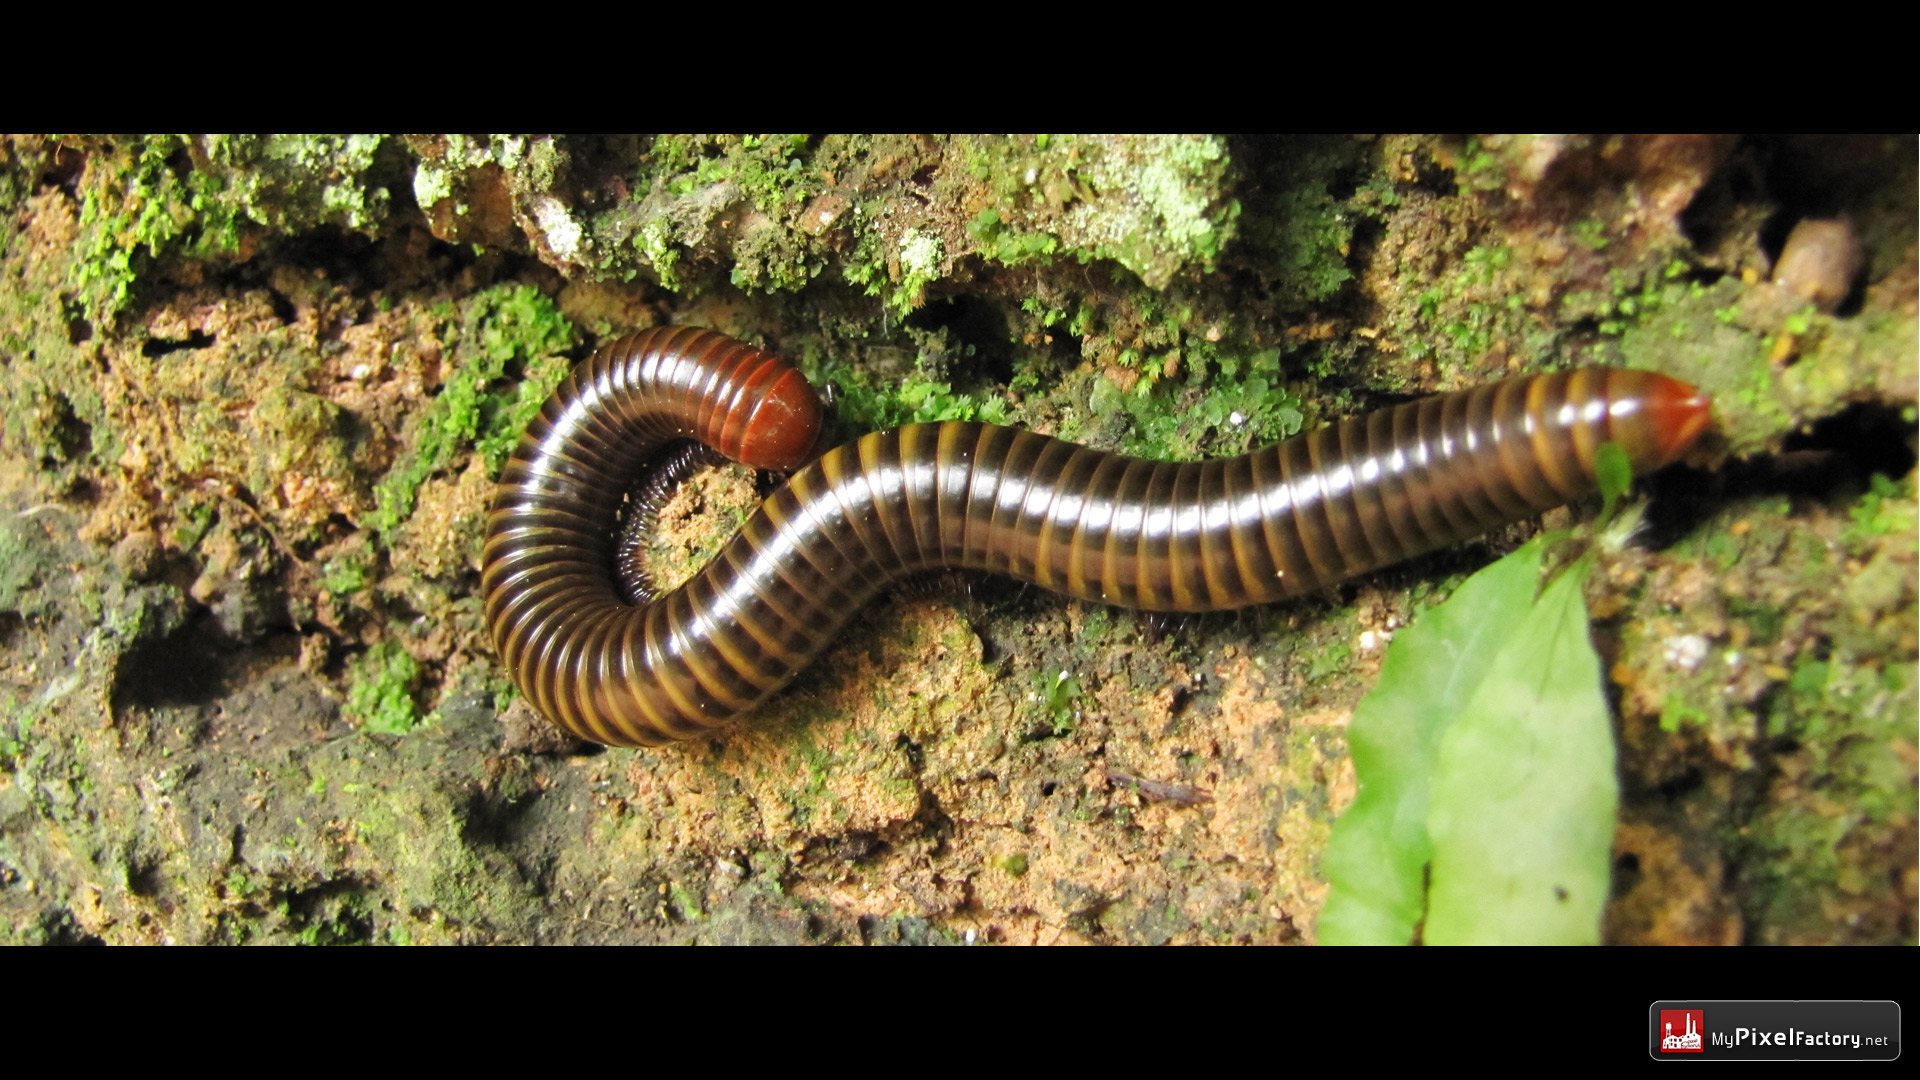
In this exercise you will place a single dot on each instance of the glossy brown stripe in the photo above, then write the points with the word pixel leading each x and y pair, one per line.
pixel 1205 536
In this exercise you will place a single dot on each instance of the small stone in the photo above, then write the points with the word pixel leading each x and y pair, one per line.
pixel 1821 262
pixel 138 555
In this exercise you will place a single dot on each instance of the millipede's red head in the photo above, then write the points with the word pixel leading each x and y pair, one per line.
pixel 1678 412
pixel 784 426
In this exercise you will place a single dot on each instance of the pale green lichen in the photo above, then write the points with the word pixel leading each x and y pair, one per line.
pixel 1155 204
pixel 919 264
pixel 919 255
pixel 431 183
pixel 562 232
pixel 1158 201
pixel 297 181
pixel 508 151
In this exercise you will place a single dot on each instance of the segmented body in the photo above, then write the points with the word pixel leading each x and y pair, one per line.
pixel 1203 536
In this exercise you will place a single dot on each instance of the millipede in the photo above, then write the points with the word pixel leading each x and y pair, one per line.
pixel 1291 519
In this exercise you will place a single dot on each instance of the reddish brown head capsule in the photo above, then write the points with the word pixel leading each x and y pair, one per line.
pixel 1677 413
pixel 784 425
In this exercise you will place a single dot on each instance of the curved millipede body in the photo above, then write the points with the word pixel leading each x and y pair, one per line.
pixel 1204 536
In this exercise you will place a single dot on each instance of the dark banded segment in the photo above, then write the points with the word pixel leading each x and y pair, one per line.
pixel 1205 536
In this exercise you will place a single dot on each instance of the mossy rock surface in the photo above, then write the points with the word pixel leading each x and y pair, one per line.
pixel 257 389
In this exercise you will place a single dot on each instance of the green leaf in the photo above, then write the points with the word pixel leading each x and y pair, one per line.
pixel 1524 792
pixel 1377 857
pixel 1615 472
pixel 1485 757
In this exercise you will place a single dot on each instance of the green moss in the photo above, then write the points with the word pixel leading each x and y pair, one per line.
pixel 158 197
pixel 243 411
pixel 685 902
pixel 137 205
pixel 1886 509
pixel 766 167
pixel 655 241
pixel 1329 661
pixel 346 574
pixel 1477 168
pixel 421 829
pixel 1843 720
pixel 1676 713
pixel 875 399
pixel 380 690
pixel 25 562
pixel 1302 234
pixel 506 330
pixel 1059 693
pixel 932 401
pixel 292 432
pixel 1475 309
pixel 1096 629
pixel 1228 404
pixel 196 521
pixel 1011 247
pixel 896 270
pixel 1768 369
pixel 1589 233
